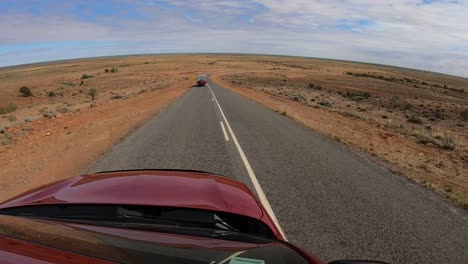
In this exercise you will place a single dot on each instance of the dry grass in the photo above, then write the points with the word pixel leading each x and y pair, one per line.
pixel 370 108
pixel 419 118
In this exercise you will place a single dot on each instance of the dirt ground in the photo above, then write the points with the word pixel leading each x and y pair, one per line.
pixel 414 122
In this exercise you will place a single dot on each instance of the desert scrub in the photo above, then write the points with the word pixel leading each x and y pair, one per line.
pixel 93 92
pixel 447 143
pixel 357 95
pixel 43 109
pixel 5 139
pixel 62 109
pixel 424 138
pixel 399 103
pixel 51 94
pixel 415 120
pixel 464 115
pixel 86 76
pixel 315 86
pixel 11 107
pixel 25 91
pixel 11 118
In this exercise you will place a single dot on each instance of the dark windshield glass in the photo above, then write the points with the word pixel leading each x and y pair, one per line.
pixel 129 215
pixel 136 246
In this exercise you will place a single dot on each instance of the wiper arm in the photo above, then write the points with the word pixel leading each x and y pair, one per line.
pixel 116 218
pixel 217 222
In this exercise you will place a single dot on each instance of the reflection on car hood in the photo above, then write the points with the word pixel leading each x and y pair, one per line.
pixel 155 188
pixel 131 246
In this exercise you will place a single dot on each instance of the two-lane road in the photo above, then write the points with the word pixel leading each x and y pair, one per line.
pixel 327 198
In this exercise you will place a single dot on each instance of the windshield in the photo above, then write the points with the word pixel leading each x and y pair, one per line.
pixel 150 218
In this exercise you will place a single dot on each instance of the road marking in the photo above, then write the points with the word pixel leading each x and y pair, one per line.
pixel 253 178
pixel 224 131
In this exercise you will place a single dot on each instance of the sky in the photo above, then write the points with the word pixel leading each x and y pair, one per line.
pixel 422 34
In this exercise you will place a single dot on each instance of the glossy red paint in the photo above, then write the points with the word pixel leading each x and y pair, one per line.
pixel 18 251
pixel 156 188
pixel 61 242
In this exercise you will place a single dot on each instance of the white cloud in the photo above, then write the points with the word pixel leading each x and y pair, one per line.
pixel 406 33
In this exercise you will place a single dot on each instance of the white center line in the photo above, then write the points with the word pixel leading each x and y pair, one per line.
pixel 253 178
pixel 224 131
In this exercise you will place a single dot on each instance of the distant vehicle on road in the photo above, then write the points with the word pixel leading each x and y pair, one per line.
pixel 148 216
pixel 202 80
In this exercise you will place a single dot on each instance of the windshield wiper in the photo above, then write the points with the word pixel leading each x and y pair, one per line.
pixel 130 218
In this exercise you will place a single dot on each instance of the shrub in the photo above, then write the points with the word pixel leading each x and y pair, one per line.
pixel 25 91
pixel 93 93
pixel 86 76
pixel 424 139
pixel 51 94
pixel 11 107
pixel 143 91
pixel 399 103
pixel 357 95
pixel 448 143
pixel 315 86
pixel 43 109
pixel 81 83
pixel 464 115
pixel 5 139
pixel 415 120
pixel 325 103
pixel 114 70
pixel 106 70
pixel 62 109
pixel 11 118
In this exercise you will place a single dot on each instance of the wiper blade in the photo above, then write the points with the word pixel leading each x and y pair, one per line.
pixel 217 222
pixel 115 218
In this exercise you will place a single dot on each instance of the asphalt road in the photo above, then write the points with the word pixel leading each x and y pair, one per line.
pixel 328 199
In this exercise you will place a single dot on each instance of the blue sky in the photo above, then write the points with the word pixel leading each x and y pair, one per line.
pixel 424 34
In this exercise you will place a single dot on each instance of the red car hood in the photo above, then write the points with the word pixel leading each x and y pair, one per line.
pixel 155 188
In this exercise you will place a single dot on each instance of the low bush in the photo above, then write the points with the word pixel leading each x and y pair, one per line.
pixel 425 139
pixel 5 139
pixel 86 76
pixel 25 91
pixel 464 115
pixel 11 118
pixel 315 86
pixel 93 92
pixel 325 103
pixel 357 95
pixel 415 120
pixel 447 143
pixel 51 94
pixel 62 109
pixel 11 107
pixel 43 109
pixel 399 103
